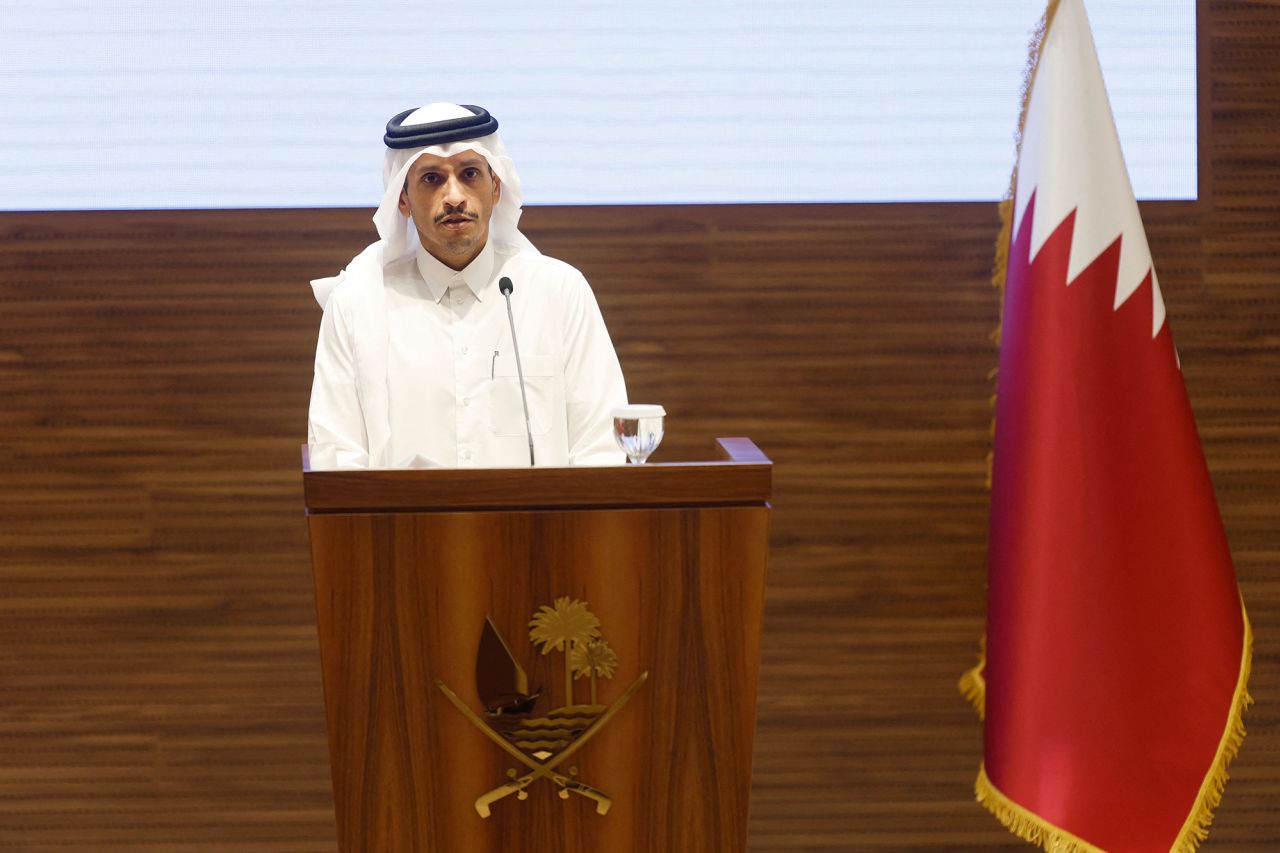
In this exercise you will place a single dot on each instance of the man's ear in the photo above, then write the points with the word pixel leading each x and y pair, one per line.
pixel 497 188
pixel 404 200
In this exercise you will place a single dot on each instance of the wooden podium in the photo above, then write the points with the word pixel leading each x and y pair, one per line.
pixel 453 606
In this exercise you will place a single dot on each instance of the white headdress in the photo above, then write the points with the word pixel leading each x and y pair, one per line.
pixel 442 130
pixel 393 226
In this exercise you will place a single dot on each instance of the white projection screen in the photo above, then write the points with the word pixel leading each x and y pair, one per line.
pixel 241 103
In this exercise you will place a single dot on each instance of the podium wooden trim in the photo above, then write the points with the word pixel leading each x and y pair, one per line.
pixel 739 474
pixel 410 564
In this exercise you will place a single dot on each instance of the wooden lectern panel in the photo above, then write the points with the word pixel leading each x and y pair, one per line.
pixel 402 600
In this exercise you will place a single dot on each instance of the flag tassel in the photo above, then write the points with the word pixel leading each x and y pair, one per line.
pixel 973 686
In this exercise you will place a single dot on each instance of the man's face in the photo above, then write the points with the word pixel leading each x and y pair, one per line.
pixel 450 200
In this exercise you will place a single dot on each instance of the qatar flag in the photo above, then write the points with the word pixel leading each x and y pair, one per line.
pixel 1117 648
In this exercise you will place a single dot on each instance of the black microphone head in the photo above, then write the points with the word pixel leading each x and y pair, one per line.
pixel 505 285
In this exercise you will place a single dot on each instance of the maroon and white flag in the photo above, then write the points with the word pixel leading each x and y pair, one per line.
pixel 1117 649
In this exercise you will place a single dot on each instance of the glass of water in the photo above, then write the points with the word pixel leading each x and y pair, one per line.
pixel 638 430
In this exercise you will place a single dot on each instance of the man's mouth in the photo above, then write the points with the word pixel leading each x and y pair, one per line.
pixel 455 220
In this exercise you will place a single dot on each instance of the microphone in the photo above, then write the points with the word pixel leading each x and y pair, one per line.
pixel 505 285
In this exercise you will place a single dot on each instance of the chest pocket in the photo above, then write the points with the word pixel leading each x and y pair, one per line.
pixel 540 378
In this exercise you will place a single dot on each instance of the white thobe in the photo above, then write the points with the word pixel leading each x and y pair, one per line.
pixel 452 388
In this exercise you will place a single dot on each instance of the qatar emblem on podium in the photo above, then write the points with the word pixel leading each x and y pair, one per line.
pixel 542 744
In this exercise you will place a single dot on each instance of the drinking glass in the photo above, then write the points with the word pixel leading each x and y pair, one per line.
pixel 638 430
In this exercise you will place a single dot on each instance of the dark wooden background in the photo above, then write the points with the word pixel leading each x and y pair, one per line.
pixel 159 676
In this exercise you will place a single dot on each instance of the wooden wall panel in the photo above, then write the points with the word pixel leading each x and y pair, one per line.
pixel 159 676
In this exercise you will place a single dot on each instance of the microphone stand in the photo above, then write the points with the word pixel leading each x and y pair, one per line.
pixel 505 285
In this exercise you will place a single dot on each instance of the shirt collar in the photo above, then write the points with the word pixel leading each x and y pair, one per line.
pixel 476 275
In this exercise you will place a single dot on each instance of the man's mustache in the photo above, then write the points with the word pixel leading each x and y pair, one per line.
pixel 450 214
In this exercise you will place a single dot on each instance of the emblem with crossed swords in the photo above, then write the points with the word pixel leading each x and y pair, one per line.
pixel 503 687
pixel 541 769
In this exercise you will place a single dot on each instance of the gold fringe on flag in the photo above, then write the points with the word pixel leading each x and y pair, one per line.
pixel 972 685
pixel 1196 828
pixel 1027 825
pixel 1000 268
pixel 1032 828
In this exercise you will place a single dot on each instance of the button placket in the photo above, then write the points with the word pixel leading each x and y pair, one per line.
pixel 464 319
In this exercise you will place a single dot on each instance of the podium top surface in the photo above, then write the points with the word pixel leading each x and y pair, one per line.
pixel 739 475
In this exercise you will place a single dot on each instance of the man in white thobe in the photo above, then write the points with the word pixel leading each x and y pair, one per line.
pixel 416 364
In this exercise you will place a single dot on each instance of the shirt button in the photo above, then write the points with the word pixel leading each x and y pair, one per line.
pixel 466 401
pixel 464 350
pixel 457 300
pixel 466 454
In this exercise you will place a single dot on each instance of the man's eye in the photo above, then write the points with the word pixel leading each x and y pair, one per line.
pixel 471 174
pixel 431 178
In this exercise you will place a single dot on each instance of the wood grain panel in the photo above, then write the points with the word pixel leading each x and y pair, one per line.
pixel 159 672
pixel 402 599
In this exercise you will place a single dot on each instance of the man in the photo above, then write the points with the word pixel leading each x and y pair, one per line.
pixel 416 364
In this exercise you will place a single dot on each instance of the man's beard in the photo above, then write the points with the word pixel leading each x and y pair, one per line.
pixel 461 245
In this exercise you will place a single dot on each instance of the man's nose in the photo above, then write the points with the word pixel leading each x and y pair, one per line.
pixel 453 194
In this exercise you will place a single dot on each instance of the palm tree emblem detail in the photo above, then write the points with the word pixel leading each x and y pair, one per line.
pixel 543 743
pixel 567 626
pixel 593 658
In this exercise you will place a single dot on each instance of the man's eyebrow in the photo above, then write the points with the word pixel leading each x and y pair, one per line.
pixel 470 162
